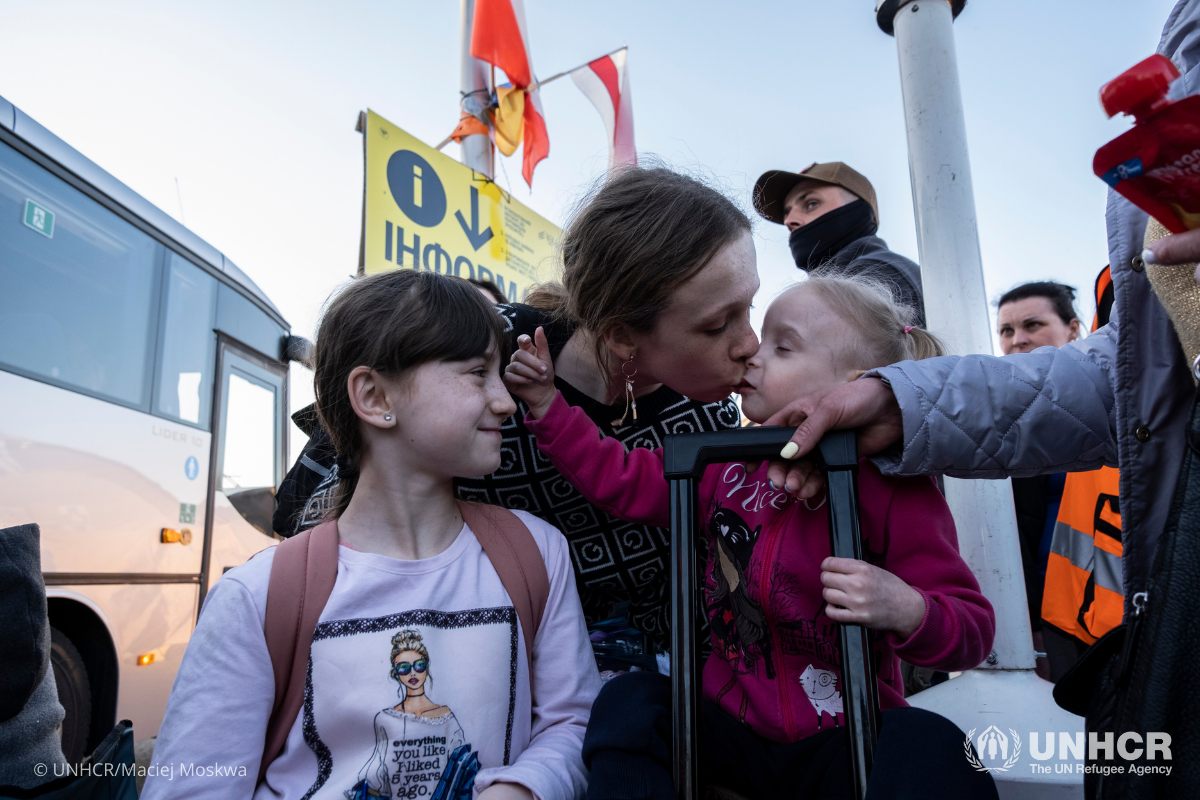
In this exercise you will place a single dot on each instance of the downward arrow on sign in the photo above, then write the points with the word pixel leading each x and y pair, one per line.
pixel 477 237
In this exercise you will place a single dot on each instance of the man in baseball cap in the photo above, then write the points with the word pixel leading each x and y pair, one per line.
pixel 832 214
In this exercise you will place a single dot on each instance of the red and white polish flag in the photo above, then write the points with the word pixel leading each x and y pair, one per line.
pixel 605 81
pixel 500 37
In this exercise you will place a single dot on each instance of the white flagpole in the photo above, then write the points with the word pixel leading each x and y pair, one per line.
pixel 1004 691
pixel 477 150
pixel 569 71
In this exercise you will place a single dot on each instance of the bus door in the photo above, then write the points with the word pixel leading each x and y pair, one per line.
pixel 248 457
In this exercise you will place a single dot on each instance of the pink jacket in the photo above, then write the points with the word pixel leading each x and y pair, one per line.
pixel 774 661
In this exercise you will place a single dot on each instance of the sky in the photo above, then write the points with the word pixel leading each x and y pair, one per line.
pixel 238 117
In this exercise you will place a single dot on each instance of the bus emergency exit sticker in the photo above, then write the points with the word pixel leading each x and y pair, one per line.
pixel 40 218
pixel 187 513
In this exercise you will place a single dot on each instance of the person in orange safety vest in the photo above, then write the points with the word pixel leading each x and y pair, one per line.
pixel 1029 316
pixel 1083 595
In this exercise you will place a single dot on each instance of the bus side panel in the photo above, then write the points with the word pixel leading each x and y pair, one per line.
pixel 146 619
pixel 101 480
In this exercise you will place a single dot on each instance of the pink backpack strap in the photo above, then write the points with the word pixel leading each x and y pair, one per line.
pixel 517 560
pixel 302 578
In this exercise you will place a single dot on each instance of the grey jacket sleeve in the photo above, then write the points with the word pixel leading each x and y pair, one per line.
pixel 994 417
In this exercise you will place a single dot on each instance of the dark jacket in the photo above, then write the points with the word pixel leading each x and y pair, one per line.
pixel 869 257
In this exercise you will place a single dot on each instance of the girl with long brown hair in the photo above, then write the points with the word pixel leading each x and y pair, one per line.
pixel 408 387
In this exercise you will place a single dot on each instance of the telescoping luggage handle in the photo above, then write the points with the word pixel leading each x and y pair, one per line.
pixel 684 458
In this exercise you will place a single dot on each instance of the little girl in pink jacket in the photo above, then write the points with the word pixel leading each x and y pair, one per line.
pixel 773 595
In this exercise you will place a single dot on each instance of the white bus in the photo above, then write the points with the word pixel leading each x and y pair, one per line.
pixel 143 388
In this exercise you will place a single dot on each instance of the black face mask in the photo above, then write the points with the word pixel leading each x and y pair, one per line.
pixel 821 239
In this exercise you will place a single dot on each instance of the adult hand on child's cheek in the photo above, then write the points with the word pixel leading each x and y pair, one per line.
pixel 862 594
pixel 866 405
pixel 530 373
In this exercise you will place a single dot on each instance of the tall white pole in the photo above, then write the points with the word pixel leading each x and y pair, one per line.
pixel 1004 692
pixel 477 151
pixel 955 298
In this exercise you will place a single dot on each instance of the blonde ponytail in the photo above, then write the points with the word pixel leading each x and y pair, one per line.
pixel 923 344
pixel 886 330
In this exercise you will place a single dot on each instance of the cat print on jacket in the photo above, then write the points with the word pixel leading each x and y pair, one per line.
pixel 821 687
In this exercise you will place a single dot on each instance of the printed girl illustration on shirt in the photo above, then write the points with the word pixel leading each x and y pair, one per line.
pixel 420 747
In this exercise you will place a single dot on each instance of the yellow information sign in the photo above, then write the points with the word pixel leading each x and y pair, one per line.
pixel 424 210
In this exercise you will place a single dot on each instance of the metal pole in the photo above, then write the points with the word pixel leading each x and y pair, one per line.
pixel 860 688
pixel 477 150
pixel 955 298
pixel 685 670
pixel 1004 692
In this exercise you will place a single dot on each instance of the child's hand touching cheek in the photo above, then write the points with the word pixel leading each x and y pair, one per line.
pixel 530 373
pixel 861 594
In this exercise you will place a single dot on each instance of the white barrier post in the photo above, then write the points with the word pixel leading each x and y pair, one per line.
pixel 1004 691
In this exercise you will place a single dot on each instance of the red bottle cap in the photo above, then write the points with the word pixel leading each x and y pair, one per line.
pixel 1139 90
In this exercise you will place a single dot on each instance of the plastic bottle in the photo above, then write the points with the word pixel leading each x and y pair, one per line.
pixel 1156 164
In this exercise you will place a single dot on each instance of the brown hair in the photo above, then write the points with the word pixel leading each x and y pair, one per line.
pixel 644 232
pixel 885 326
pixel 1061 297
pixel 392 323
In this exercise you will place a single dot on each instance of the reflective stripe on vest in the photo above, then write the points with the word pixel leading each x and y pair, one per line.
pixel 1080 549
pixel 1084 591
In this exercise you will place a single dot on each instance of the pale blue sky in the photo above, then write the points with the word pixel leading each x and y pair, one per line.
pixel 252 107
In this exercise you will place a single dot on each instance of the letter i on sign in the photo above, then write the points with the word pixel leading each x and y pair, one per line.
pixel 416 186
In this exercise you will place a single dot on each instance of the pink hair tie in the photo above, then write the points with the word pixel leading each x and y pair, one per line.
pixel 908 328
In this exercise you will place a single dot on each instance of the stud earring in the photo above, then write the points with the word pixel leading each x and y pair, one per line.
pixel 387 417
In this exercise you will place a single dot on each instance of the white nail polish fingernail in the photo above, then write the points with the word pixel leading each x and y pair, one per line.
pixel 1149 257
pixel 789 450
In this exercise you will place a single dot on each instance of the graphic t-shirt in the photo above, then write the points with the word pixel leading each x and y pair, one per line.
pixel 412 751
pixel 418 685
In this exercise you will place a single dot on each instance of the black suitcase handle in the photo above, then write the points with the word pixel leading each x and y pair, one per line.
pixel 684 459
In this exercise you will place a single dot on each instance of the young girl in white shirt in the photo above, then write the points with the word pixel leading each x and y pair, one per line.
pixel 418 623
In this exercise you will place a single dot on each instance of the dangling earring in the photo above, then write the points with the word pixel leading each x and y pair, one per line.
pixel 630 400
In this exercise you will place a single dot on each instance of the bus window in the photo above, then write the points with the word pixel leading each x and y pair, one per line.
pixel 250 430
pixel 188 353
pixel 78 308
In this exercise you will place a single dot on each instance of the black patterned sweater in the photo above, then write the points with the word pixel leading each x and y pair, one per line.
pixel 615 561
